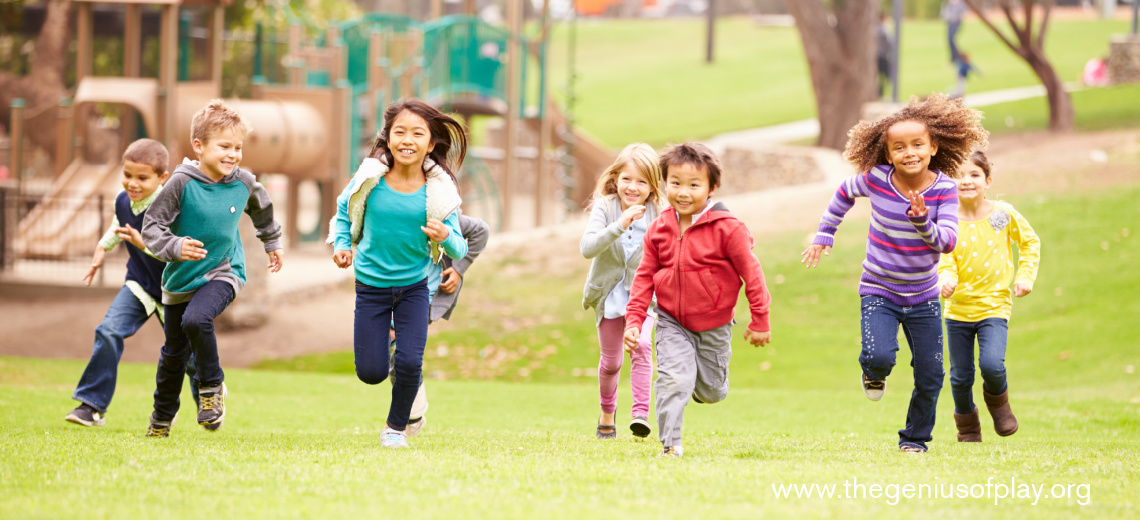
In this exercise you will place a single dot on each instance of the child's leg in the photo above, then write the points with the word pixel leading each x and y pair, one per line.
pixel 97 384
pixel 714 350
pixel 411 316
pixel 171 364
pixel 880 325
pixel 370 329
pixel 610 331
pixel 198 323
pixel 676 376
pixel 960 344
pixel 641 370
pixel 992 334
pixel 922 325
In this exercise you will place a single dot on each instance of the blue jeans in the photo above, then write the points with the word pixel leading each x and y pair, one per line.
pixel 922 325
pixel 991 334
pixel 377 309
pixel 124 318
pixel 190 332
pixel 951 37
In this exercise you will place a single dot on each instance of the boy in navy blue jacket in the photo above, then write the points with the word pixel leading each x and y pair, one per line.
pixel 144 171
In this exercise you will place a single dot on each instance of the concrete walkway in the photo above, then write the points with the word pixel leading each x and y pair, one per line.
pixel 809 128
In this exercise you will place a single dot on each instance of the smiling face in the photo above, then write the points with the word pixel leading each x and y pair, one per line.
pixel 140 180
pixel 632 187
pixel 972 183
pixel 687 188
pixel 221 153
pixel 409 139
pixel 909 147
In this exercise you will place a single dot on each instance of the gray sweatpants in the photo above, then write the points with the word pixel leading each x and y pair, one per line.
pixel 689 364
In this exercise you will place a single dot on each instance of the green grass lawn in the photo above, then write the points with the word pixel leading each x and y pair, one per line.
pixel 1095 108
pixel 515 440
pixel 646 80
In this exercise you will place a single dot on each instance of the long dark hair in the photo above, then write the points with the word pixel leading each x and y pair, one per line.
pixel 447 134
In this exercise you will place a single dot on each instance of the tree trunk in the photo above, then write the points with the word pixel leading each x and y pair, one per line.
pixel 840 49
pixel 1061 114
pixel 43 87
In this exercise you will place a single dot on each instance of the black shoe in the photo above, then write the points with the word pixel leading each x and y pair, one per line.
pixel 85 415
pixel 640 426
pixel 698 401
pixel 158 428
pixel 212 407
pixel 607 431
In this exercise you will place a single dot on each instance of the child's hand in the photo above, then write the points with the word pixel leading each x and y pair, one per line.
pixel 633 213
pixel 917 205
pixel 96 263
pixel 632 338
pixel 192 249
pixel 948 289
pixel 435 230
pixel 342 258
pixel 1021 289
pixel 276 257
pixel 758 339
pixel 131 235
pixel 810 257
pixel 450 281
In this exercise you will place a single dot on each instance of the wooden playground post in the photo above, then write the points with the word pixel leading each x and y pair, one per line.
pixel 510 130
pixel 542 168
pixel 469 7
pixel 84 59
pixel 64 127
pixel 436 9
pixel 16 150
pixel 214 44
pixel 132 68
pixel 167 77
pixel 296 74
pixel 336 56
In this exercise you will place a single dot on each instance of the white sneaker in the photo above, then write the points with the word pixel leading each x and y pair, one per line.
pixel 873 388
pixel 672 452
pixel 415 426
pixel 393 439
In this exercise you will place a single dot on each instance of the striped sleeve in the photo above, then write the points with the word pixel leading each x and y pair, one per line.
pixel 841 203
pixel 939 227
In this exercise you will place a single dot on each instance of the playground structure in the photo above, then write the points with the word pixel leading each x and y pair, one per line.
pixel 319 123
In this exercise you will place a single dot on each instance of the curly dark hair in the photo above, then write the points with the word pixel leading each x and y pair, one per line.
pixel 956 130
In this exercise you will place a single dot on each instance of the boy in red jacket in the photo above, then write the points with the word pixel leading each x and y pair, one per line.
pixel 695 255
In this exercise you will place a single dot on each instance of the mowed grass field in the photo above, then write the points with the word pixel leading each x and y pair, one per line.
pixel 515 439
pixel 646 80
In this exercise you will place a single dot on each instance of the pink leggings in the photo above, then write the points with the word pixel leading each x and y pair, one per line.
pixel 610 332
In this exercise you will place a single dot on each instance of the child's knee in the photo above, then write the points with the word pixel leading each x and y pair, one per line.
pixel 195 324
pixel 372 375
pixel 992 369
pixel 709 395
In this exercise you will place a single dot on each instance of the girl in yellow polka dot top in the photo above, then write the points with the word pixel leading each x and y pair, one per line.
pixel 978 281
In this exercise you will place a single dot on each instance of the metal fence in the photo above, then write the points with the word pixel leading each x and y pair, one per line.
pixel 50 238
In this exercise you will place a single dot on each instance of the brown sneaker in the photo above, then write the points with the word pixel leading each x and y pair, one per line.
pixel 969 428
pixel 1005 424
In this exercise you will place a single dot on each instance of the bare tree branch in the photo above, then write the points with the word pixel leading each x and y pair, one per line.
pixel 977 9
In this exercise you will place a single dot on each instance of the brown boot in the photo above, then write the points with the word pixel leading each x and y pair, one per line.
pixel 1005 424
pixel 969 428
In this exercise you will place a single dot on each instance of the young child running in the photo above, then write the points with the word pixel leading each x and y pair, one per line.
pixel 144 171
pixel 696 254
pixel 977 280
pixel 193 224
pixel 625 201
pixel 914 218
pixel 399 212
pixel 444 281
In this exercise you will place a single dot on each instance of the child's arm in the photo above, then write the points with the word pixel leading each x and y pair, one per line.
pixel 739 250
pixel 640 292
pixel 448 234
pixel 599 234
pixel 340 228
pixel 260 210
pixel 1028 253
pixel 156 234
pixel 947 275
pixel 475 231
pixel 941 234
pixel 840 204
pixel 96 263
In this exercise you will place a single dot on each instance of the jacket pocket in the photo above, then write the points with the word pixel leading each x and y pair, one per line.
pixel 592 295
pixel 702 292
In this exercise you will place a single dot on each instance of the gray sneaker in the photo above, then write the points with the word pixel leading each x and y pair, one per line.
pixel 874 388
pixel 212 407
pixel 85 415
pixel 158 428
pixel 390 438
pixel 640 426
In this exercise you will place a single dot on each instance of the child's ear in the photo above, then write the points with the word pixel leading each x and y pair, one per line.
pixel 196 144
pixel 162 178
pixel 933 147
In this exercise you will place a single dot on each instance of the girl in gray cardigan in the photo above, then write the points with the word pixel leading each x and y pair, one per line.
pixel 625 202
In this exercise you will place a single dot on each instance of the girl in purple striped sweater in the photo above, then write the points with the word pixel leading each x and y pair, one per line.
pixel 914 219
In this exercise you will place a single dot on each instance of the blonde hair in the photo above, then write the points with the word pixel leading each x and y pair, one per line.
pixel 644 159
pixel 148 152
pixel 215 117
pixel 956 130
